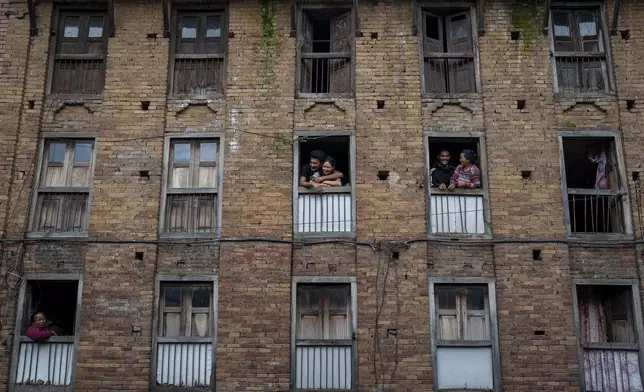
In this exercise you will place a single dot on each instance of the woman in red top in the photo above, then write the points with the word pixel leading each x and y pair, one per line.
pixel 38 332
pixel 466 175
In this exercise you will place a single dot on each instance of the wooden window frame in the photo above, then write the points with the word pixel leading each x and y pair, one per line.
pixel 167 165
pixel 302 8
pixel 466 6
pixel 18 337
pixel 571 6
pixel 622 188
pixel 196 10
pixel 81 9
pixel 638 329
pixel 46 138
pixel 479 136
pixel 323 281
pixel 494 334
pixel 352 183
pixel 156 324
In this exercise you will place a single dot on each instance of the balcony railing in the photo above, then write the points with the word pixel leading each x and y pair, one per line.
pixel 78 74
pixel 458 212
pixel 198 75
pixel 449 73
pixel 612 370
pixel 46 363
pixel 325 212
pixel 323 365
pixel 581 72
pixel 595 211
pixel 186 364
pixel 326 73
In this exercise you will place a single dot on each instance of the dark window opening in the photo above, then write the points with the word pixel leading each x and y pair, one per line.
pixel 455 146
pixel 337 147
pixel 57 300
pixel 325 51
pixel 448 51
pixel 594 200
pixel 606 314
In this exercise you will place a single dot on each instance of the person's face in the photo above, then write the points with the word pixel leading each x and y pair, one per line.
pixel 315 164
pixel 444 157
pixel 327 168
pixel 39 320
pixel 464 160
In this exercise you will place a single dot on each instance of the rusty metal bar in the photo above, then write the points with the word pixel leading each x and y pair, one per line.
pixel 33 29
pixel 613 29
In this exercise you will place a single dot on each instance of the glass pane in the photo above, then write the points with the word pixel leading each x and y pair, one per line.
pixel 562 25
pixel 475 299
pixel 201 297
pixel 80 176
pixel 208 152
pixel 213 27
pixel 82 152
pixel 432 27
pixel 446 298
pixel 337 299
pixel 95 27
pixel 71 27
pixel 57 152
pixel 308 298
pixel 180 177
pixel 199 325
pixel 181 153
pixel 459 28
pixel 172 324
pixel 172 296
pixel 587 25
pixel 189 27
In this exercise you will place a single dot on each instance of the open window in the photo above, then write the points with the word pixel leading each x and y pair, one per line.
pixel 457 195
pixel 324 208
pixel 50 361
pixel 464 339
pixel 595 190
pixel 198 52
pixel 80 51
pixel 609 338
pixel 449 57
pixel 324 337
pixel 192 187
pixel 64 182
pixel 579 44
pixel 325 51
pixel 185 335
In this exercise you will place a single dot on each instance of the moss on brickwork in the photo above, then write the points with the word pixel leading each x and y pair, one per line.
pixel 526 16
pixel 269 27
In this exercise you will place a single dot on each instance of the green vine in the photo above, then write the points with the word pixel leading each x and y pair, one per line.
pixel 526 18
pixel 269 27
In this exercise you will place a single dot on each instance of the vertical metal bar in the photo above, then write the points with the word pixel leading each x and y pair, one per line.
pixel 37 358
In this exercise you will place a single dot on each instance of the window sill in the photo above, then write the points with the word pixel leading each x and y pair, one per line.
pixel 330 236
pixel 594 237
pixel 324 98
pixel 188 236
pixel 457 238
pixel 52 339
pixel 196 99
pixel 583 97
pixel 57 235
pixel 329 189
pixel 457 191
pixel 75 98
pixel 451 97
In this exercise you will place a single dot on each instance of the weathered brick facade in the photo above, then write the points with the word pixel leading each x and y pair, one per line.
pixel 122 256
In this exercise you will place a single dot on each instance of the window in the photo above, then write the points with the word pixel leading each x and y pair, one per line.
pixel 580 50
pixel 449 58
pixel 609 338
pixel 185 335
pixel 63 186
pixel 324 344
pixel 326 208
pixel 192 186
pixel 464 326
pixel 325 51
pixel 199 54
pixel 457 195
pixel 595 191
pixel 79 58
pixel 49 361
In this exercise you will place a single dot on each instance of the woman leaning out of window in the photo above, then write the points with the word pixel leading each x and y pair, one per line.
pixel 466 175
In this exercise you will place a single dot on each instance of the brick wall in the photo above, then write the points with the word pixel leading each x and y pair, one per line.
pixel 258 118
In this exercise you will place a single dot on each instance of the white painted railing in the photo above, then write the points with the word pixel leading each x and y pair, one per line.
pixel 329 211
pixel 46 363
pixel 184 364
pixel 612 370
pixel 452 213
pixel 323 367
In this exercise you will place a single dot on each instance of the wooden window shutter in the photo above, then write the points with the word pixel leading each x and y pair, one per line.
pixel 340 69
pixel 306 46
pixel 434 42
pixel 309 313
pixel 338 313
pixel 459 40
pixel 449 314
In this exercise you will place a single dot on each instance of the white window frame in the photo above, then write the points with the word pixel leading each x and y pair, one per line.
pixel 479 136
pixel 167 165
pixel 324 280
pixel 622 186
pixel 42 159
pixel 638 329
pixel 494 334
pixel 296 181
pixel 18 336
pixel 156 339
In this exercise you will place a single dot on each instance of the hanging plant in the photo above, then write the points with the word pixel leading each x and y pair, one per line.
pixel 526 17
pixel 269 27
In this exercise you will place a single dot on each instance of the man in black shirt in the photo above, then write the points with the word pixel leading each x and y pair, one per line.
pixel 442 171
pixel 311 174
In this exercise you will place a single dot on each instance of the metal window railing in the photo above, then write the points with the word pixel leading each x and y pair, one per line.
pixel 329 211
